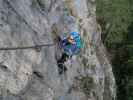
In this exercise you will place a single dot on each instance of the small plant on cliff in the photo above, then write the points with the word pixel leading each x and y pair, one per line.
pixel 87 85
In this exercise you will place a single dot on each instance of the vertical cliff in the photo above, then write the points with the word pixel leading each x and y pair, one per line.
pixel 32 73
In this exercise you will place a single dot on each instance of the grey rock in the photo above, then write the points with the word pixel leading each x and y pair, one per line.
pixel 32 74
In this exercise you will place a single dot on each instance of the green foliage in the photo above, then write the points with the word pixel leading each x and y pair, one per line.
pixel 87 84
pixel 130 89
pixel 116 20
pixel 115 17
pixel 85 61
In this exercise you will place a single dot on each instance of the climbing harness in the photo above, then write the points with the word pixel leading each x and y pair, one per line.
pixel 24 47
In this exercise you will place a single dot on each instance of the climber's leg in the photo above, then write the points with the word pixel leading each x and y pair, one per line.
pixel 61 68
pixel 60 62
pixel 64 57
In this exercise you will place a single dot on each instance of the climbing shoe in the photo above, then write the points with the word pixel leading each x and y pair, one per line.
pixel 61 68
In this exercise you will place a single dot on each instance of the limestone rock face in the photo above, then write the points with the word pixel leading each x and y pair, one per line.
pixel 32 73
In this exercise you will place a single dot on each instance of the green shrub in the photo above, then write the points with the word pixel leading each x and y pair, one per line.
pixel 87 85
pixel 116 20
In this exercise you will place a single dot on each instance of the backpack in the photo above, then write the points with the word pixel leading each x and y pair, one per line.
pixel 77 39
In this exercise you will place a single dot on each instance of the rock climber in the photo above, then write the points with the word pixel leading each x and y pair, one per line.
pixel 71 45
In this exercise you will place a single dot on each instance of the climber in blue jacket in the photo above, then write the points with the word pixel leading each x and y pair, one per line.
pixel 72 44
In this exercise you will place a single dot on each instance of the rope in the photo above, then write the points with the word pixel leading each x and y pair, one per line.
pixel 24 47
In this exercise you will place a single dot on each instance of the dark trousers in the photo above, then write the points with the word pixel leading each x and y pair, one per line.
pixel 61 67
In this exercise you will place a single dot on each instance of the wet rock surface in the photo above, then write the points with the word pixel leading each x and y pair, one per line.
pixel 32 74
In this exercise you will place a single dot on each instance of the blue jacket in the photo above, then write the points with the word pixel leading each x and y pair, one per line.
pixel 72 49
